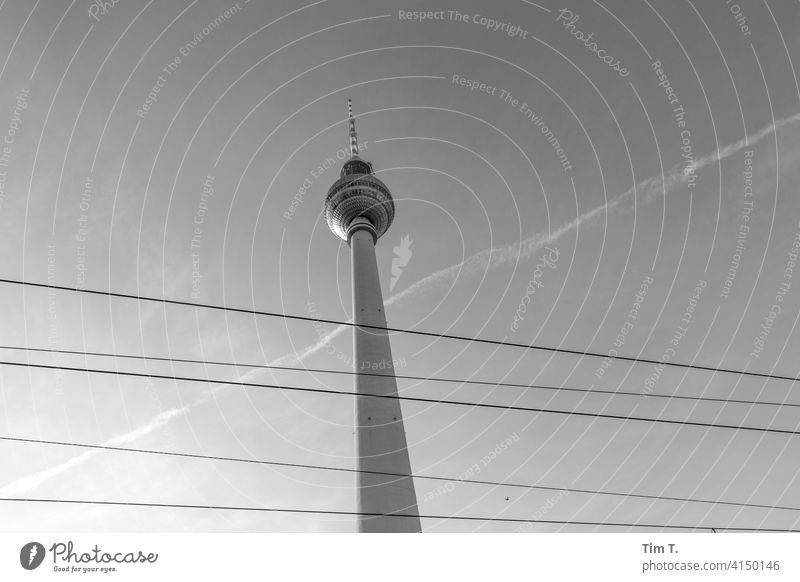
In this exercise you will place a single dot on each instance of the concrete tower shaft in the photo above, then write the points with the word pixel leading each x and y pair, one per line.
pixel 380 434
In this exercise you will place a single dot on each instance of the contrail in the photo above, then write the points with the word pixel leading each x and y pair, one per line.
pixel 492 258
pixel 25 484
pixel 648 190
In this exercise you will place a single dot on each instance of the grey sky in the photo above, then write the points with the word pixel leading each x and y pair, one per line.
pixel 211 190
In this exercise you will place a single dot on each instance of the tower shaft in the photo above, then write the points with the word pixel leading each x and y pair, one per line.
pixel 380 436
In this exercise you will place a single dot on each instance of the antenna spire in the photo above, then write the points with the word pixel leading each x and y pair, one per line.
pixel 353 138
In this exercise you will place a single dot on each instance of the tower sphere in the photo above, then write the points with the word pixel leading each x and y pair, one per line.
pixel 358 194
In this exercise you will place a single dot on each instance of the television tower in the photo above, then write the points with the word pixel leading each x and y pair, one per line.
pixel 359 209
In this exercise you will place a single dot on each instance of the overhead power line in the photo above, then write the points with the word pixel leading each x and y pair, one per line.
pixel 396 515
pixel 432 334
pixel 387 474
pixel 400 376
pixel 406 398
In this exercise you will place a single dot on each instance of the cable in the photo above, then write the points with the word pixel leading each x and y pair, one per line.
pixel 400 330
pixel 388 474
pixel 365 514
pixel 401 376
pixel 406 398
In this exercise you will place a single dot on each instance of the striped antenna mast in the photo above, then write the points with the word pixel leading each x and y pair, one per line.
pixel 353 138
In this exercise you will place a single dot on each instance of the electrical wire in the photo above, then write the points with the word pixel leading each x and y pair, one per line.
pixel 389 474
pixel 398 515
pixel 437 335
pixel 406 398
pixel 400 376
